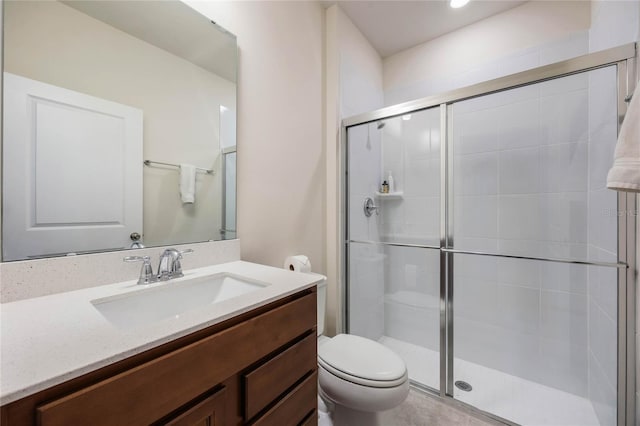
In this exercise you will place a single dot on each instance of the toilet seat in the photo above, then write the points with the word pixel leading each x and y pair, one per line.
pixel 362 361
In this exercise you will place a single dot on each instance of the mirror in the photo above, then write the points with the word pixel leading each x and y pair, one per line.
pixel 119 123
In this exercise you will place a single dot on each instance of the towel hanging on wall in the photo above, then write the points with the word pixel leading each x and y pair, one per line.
pixel 625 173
pixel 188 183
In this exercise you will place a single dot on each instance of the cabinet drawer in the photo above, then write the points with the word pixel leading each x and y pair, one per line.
pixel 264 384
pixel 295 407
pixel 311 420
pixel 208 412
pixel 150 391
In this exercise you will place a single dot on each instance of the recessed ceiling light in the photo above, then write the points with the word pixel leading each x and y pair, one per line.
pixel 406 117
pixel 456 4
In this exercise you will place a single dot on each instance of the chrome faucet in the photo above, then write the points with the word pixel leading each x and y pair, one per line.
pixel 169 266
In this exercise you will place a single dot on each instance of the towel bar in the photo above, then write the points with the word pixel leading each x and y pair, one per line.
pixel 149 163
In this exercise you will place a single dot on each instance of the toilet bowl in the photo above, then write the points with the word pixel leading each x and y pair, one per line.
pixel 357 377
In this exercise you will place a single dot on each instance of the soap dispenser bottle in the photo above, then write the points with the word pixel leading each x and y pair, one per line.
pixel 391 183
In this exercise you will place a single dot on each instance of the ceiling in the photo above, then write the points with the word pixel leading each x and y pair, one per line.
pixel 393 26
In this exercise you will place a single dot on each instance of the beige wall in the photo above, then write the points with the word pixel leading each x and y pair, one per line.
pixel 533 23
pixel 51 42
pixel 281 156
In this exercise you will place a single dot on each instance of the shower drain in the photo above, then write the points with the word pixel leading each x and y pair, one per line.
pixel 463 386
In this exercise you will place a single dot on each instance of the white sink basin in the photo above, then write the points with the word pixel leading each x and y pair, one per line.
pixel 170 299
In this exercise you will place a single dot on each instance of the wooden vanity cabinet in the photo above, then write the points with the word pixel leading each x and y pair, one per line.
pixel 258 368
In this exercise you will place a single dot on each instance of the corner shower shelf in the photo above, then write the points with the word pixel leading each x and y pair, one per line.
pixel 390 195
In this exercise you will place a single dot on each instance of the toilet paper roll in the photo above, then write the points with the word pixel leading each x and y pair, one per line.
pixel 299 263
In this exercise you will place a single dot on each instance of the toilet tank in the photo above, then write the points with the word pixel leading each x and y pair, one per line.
pixel 322 302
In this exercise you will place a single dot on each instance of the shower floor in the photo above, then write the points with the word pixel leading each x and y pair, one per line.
pixel 510 397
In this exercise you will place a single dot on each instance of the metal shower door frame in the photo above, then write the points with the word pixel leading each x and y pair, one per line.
pixel 624 58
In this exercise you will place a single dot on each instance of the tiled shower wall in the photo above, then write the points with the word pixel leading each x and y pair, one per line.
pixel 411 152
pixel 366 261
pixel 523 174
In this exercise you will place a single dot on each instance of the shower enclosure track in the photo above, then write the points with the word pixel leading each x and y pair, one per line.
pixel 508 256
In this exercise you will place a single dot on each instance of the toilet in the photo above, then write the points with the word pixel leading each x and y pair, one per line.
pixel 357 377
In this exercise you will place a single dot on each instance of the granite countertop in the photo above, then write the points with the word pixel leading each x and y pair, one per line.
pixel 48 340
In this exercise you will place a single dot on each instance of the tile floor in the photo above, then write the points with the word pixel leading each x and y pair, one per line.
pixel 424 410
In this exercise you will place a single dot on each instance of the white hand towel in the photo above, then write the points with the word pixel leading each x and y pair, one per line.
pixel 625 173
pixel 188 183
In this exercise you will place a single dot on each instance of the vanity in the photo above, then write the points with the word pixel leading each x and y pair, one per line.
pixel 249 359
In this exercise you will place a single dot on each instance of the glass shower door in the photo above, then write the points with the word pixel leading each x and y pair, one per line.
pixel 394 279
pixel 535 320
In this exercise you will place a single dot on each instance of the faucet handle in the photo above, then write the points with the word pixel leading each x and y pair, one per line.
pixel 177 267
pixel 146 272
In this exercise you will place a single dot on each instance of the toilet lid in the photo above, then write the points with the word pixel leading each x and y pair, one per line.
pixel 362 361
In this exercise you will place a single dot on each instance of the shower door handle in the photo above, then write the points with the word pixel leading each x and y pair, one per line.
pixel 369 207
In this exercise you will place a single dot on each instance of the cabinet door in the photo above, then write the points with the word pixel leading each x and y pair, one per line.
pixel 295 408
pixel 208 412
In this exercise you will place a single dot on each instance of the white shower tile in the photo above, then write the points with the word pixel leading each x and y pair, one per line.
pixel 517 347
pixel 519 217
pixel 476 174
pixel 602 143
pixel 563 277
pixel 392 150
pixel 607 15
pixel 358 222
pixel 564 366
pixel 518 125
pixel 603 219
pixel 520 247
pixel 420 179
pixel 563 250
pixel 564 117
pixel 519 171
pixel 569 47
pixel 563 317
pixel 603 98
pixel 419 210
pixel 601 394
pixel 519 309
pixel 603 289
pixel 564 167
pixel 476 267
pixel 525 60
pixel 603 342
pixel 489 245
pixel 519 272
pixel 476 131
pixel 476 299
pixel 391 210
pixel 476 216
pixel 366 286
pixel 563 217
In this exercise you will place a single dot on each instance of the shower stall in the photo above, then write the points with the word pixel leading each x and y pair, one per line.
pixel 500 267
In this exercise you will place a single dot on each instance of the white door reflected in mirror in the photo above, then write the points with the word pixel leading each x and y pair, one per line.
pixel 75 163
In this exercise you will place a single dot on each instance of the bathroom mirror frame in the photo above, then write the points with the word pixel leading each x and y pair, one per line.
pixel 147 23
